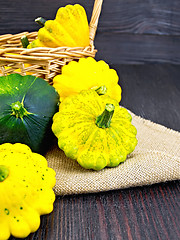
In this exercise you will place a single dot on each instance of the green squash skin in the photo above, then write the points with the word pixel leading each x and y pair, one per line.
pixel 39 98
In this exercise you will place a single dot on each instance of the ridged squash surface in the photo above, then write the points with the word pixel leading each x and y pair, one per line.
pixel 80 137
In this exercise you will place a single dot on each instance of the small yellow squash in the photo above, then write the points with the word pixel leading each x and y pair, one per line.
pixel 26 184
pixel 69 28
pixel 87 73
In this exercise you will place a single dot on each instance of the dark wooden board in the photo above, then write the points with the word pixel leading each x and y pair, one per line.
pixel 159 17
pixel 152 91
pixel 142 213
pixel 137 49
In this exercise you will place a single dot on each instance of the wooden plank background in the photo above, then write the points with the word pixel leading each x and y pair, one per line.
pixel 139 31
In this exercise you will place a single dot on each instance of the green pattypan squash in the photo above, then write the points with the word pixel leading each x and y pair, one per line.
pixel 27 105
pixel 94 129
pixel 26 192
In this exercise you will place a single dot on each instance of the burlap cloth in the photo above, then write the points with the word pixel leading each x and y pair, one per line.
pixel 155 159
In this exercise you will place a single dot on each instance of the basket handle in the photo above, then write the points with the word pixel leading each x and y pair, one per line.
pixel 94 19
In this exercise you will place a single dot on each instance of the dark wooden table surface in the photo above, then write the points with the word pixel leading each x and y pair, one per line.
pixel 141 40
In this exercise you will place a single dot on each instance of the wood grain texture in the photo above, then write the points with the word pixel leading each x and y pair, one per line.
pixel 152 91
pixel 140 213
pixel 137 49
pixel 141 17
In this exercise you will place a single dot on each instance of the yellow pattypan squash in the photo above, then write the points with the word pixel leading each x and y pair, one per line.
pixel 94 130
pixel 87 73
pixel 26 184
pixel 69 28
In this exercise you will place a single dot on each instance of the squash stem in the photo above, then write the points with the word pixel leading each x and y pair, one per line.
pixel 101 90
pixel 18 110
pixel 24 41
pixel 104 120
pixel 4 173
pixel 41 21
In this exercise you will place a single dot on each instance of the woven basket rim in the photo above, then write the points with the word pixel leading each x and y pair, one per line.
pixel 44 61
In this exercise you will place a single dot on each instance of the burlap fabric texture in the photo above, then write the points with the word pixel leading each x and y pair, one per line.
pixel 155 159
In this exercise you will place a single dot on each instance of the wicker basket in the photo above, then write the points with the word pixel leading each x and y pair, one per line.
pixel 42 61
